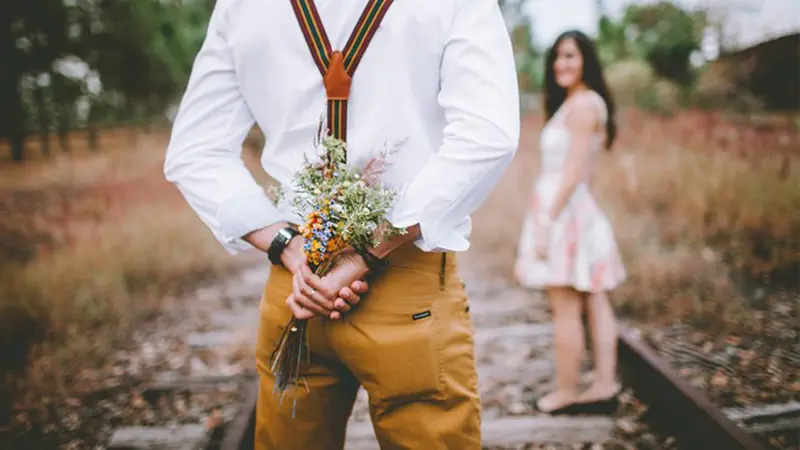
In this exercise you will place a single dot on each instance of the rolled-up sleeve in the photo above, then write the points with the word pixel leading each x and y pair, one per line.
pixel 204 156
pixel 480 97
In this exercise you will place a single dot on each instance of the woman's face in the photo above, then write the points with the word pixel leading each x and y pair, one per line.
pixel 568 66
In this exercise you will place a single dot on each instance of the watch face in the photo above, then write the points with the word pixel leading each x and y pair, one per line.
pixel 285 234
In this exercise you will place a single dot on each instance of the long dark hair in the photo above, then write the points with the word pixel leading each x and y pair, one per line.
pixel 554 95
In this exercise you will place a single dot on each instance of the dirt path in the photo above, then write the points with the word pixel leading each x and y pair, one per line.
pixel 513 339
pixel 211 358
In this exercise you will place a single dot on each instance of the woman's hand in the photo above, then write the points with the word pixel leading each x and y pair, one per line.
pixel 541 237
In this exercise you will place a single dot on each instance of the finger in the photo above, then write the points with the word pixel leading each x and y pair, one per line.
pixel 310 293
pixel 315 282
pixel 298 312
pixel 359 286
pixel 307 293
pixel 304 301
pixel 311 306
pixel 336 315
pixel 342 305
pixel 309 276
pixel 349 296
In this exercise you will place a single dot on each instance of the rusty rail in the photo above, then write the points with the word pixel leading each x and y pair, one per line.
pixel 675 407
pixel 240 432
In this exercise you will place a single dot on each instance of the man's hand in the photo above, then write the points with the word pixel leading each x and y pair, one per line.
pixel 293 257
pixel 333 294
pixel 332 290
pixel 294 260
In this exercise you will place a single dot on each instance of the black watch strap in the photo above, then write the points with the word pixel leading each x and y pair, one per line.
pixel 376 265
pixel 279 243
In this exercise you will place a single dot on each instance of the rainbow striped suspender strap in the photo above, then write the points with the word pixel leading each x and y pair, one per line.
pixel 337 67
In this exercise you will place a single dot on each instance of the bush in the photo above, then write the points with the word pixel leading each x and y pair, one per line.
pixel 634 83
pixel 718 87
pixel 91 245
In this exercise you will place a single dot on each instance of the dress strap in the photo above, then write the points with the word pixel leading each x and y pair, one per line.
pixel 601 105
pixel 596 99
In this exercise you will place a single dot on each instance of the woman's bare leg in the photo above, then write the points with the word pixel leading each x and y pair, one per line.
pixel 566 305
pixel 603 327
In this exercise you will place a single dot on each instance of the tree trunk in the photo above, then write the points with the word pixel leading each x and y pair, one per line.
pixel 44 120
pixel 62 103
pixel 12 115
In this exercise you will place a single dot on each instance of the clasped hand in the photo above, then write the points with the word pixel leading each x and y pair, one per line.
pixel 332 295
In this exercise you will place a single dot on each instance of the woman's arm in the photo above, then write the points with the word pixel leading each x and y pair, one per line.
pixel 582 122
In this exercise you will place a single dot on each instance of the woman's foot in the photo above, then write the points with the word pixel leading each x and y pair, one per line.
pixel 598 392
pixel 556 402
pixel 598 399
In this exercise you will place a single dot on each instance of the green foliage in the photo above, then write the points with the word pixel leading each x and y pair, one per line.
pixel 151 45
pixel 141 51
pixel 528 59
pixel 527 56
pixel 612 43
pixel 665 36
pixel 634 82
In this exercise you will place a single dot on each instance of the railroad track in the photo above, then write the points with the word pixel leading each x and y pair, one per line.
pixel 513 344
pixel 674 406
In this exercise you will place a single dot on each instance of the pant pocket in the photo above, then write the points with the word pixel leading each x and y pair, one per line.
pixel 401 359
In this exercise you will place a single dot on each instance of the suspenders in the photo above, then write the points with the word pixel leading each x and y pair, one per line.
pixel 337 67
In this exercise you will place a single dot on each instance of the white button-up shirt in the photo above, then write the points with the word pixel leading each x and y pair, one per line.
pixel 439 74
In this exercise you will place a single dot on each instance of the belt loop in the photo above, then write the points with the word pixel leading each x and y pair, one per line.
pixel 442 271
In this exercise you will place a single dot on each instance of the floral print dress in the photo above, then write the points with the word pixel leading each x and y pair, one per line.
pixel 582 251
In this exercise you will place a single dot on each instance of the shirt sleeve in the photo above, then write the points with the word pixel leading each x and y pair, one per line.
pixel 480 97
pixel 204 156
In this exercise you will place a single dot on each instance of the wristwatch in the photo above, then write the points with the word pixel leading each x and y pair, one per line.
pixel 375 265
pixel 279 243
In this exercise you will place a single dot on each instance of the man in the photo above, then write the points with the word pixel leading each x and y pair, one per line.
pixel 440 75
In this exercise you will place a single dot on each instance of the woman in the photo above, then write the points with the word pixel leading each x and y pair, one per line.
pixel 567 245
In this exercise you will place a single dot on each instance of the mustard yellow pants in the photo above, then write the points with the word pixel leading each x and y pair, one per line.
pixel 409 343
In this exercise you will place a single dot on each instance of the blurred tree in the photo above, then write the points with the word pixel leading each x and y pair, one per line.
pixel 146 48
pixel 32 35
pixel 613 43
pixel 107 59
pixel 12 117
pixel 527 56
pixel 665 35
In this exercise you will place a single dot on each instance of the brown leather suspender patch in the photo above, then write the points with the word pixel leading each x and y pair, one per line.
pixel 337 67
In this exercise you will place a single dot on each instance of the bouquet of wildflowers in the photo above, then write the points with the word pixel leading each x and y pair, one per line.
pixel 344 208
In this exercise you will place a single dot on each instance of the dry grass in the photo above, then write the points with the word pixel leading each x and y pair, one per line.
pixel 91 245
pixel 706 213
